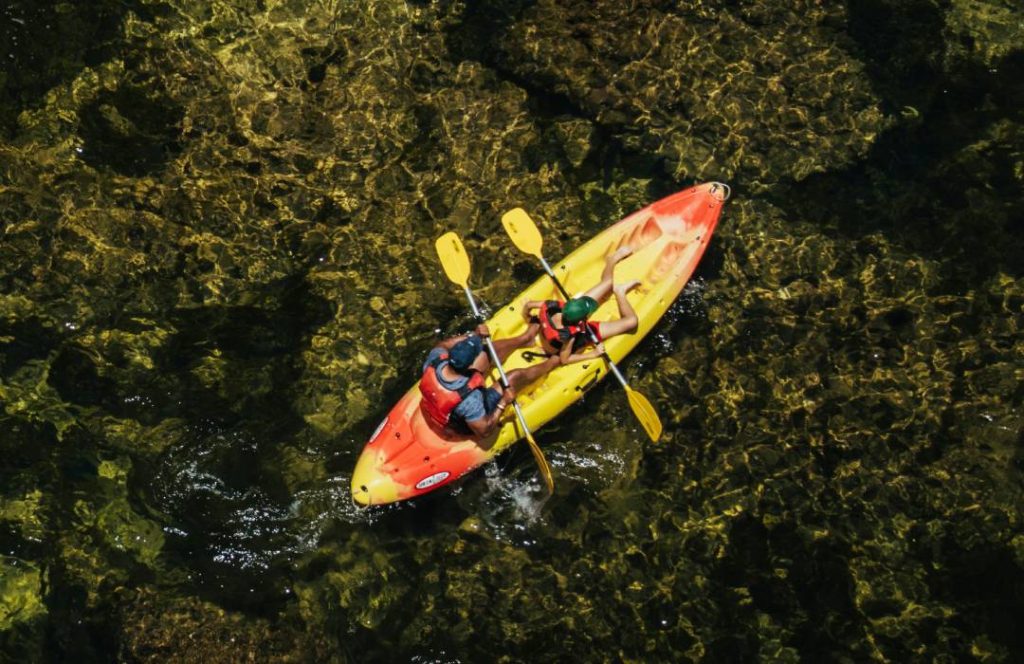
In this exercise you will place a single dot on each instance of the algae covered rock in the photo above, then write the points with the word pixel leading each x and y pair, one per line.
pixel 21 598
pixel 711 91
pixel 988 29
pixel 26 513
pixel 188 629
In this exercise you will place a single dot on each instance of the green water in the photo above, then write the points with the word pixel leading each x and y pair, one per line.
pixel 217 273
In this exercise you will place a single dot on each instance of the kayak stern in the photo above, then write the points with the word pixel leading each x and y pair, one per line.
pixel 370 486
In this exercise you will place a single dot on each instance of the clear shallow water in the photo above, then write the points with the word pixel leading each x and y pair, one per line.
pixel 217 274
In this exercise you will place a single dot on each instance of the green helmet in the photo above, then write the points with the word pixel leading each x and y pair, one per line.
pixel 578 309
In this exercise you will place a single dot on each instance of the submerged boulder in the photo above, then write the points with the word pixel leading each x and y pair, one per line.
pixel 21 598
pixel 757 93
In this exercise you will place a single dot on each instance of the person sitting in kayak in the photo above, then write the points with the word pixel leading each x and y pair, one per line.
pixel 454 392
pixel 564 328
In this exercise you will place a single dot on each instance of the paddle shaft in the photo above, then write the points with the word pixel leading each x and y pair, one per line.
pixel 593 337
pixel 494 358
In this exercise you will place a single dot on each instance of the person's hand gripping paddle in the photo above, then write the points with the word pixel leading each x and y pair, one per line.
pixel 456 266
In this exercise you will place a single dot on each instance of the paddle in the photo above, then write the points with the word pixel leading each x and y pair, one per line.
pixel 456 265
pixel 526 237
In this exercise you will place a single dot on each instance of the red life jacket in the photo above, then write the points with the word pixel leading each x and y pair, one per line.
pixel 558 336
pixel 438 400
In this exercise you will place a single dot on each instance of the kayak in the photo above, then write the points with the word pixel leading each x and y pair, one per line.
pixel 408 455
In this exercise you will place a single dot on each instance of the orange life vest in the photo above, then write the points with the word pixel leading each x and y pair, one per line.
pixel 438 400
pixel 558 336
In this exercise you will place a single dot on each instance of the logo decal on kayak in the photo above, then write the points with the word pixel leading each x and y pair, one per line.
pixel 376 431
pixel 430 481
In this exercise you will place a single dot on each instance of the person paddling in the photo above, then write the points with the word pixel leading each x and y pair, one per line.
pixel 455 396
pixel 563 326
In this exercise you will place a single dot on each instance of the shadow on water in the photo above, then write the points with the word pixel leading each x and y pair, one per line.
pixel 987 581
pixel 24 341
pixel 607 156
pixel 249 340
pixel 73 625
pixel 916 186
pixel 133 130
pixel 220 491
pixel 817 591
pixel 489 19
pixel 901 44
pixel 26 448
pixel 46 42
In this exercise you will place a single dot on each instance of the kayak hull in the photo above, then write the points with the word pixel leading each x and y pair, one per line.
pixel 408 455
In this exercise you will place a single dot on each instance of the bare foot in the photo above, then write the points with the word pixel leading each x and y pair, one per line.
pixel 620 253
pixel 622 289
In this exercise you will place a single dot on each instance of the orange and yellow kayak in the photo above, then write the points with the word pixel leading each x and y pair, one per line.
pixel 408 456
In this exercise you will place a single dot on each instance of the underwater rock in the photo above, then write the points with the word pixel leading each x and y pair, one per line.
pixel 28 394
pixel 125 530
pixel 576 136
pixel 164 628
pixel 47 42
pixel 714 92
pixel 25 512
pixel 21 598
pixel 108 518
pixel 990 30
pixel 356 586
pixel 133 131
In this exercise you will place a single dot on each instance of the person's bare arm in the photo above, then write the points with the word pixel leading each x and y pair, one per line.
pixel 597 352
pixel 528 308
pixel 565 353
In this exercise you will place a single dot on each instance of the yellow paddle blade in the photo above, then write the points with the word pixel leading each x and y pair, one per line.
pixel 542 463
pixel 644 412
pixel 523 231
pixel 454 258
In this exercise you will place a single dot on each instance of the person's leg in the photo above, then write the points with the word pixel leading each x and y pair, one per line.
pixel 603 289
pixel 627 321
pixel 520 378
pixel 504 347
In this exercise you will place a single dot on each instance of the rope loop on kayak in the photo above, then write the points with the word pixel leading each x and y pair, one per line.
pixel 357 506
pixel 717 188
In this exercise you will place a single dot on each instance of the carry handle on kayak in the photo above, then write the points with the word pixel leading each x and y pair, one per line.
pixel 525 235
pixel 720 191
pixel 456 266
